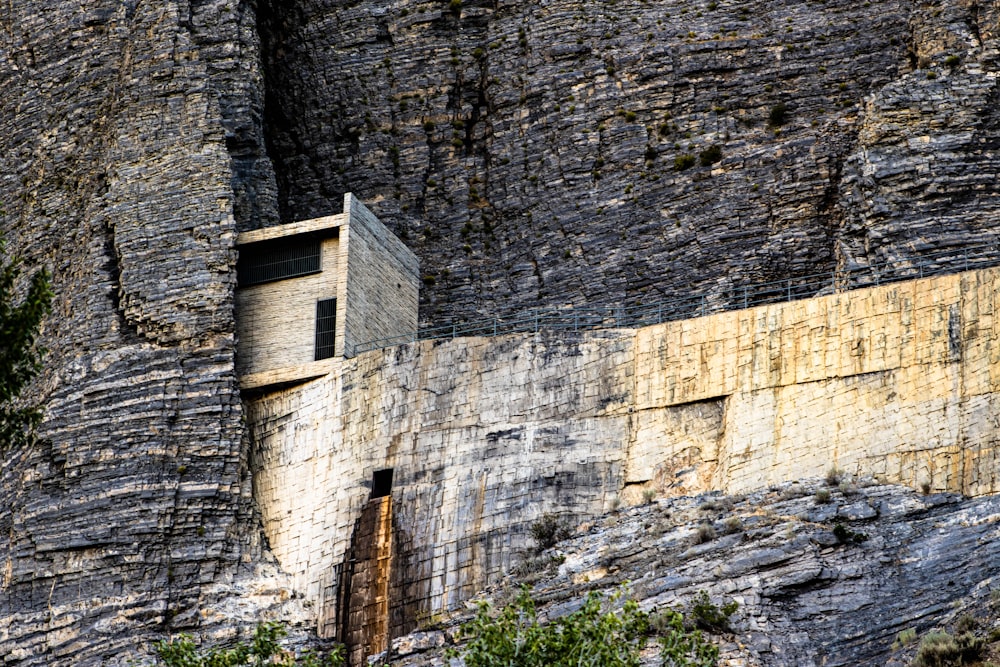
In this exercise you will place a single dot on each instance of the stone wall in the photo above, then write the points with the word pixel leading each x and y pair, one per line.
pixel 276 321
pixel 379 293
pixel 486 435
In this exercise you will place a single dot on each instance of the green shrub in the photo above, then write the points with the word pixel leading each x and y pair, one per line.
pixel 20 356
pixel 904 638
pixel 940 649
pixel 822 496
pixel 600 633
pixel 684 161
pixel 704 533
pixel 592 635
pixel 708 616
pixel 952 61
pixel 264 649
pixel 680 647
pixel 777 115
pixel 711 155
pixel 846 536
pixel 548 530
pixel 966 623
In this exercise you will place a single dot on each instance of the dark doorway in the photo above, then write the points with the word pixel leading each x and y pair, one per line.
pixel 382 483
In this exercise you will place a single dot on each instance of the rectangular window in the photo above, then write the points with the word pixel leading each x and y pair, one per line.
pixel 277 261
pixel 326 326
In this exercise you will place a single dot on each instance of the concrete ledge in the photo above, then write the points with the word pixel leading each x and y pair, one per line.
pixel 289 374
pixel 292 229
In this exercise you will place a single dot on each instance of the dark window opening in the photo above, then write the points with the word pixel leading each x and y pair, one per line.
pixel 267 262
pixel 381 483
pixel 326 327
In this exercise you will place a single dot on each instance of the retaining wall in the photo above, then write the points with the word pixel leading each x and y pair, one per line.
pixel 486 435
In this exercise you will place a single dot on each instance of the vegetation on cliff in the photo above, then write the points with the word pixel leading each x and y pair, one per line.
pixel 20 355
pixel 604 631
pixel 264 649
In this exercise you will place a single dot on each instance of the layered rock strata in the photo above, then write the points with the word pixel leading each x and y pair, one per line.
pixel 125 129
pixel 535 153
pixel 524 150
pixel 806 596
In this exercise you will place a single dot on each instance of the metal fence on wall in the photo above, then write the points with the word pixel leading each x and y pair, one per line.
pixel 571 318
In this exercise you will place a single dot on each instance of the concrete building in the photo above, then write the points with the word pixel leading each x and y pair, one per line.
pixel 310 291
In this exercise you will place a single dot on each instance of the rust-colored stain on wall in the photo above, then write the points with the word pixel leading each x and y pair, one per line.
pixel 366 583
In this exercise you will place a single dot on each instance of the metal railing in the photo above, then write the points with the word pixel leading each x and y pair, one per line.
pixel 571 318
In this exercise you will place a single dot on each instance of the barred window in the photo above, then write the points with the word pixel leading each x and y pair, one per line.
pixel 273 261
pixel 326 326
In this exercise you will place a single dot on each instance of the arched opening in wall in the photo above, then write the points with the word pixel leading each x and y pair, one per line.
pixel 381 483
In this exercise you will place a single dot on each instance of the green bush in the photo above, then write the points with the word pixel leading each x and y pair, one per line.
pixel 20 356
pixel 940 649
pixel 905 638
pixel 710 155
pixel 845 535
pixel 684 161
pixel 597 634
pixel 592 635
pixel 549 530
pixel 778 114
pixel 704 533
pixel 263 649
pixel 709 616
pixel 680 647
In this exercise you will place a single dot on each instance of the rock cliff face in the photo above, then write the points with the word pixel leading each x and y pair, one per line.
pixel 484 436
pixel 527 150
pixel 806 597
pixel 524 150
pixel 124 132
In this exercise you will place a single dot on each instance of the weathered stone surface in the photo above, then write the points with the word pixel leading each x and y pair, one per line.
pixel 806 599
pixel 136 138
pixel 114 172
pixel 526 149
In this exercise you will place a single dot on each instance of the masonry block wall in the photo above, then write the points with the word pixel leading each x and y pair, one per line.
pixel 379 294
pixel 276 320
pixel 371 274
pixel 486 435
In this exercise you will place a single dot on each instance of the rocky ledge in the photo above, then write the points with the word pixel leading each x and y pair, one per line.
pixel 823 574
